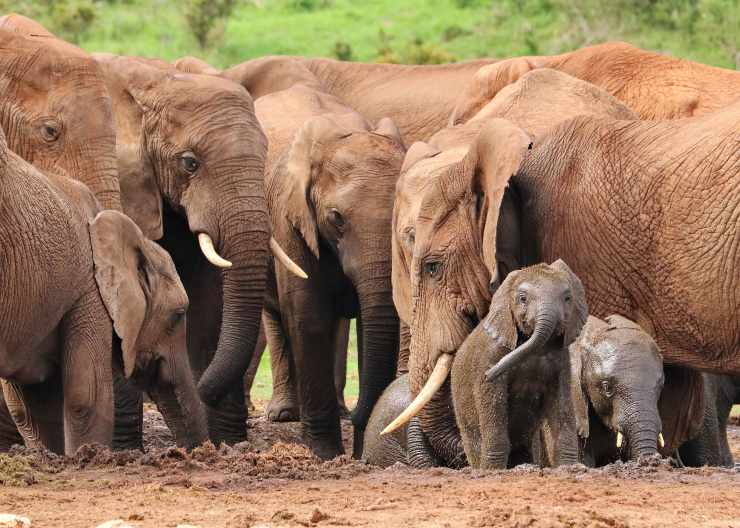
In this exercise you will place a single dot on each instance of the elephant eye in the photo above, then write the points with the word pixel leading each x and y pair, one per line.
pixel 176 318
pixel 522 297
pixel 606 389
pixel 433 269
pixel 190 163
pixel 336 218
pixel 50 131
pixel 568 297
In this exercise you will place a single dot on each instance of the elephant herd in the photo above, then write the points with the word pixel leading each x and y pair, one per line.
pixel 542 254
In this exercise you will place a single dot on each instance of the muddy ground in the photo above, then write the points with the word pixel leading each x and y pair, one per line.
pixel 271 481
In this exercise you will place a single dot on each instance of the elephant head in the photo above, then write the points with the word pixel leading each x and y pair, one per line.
pixel 617 371
pixel 192 143
pixel 55 109
pixel 337 183
pixel 145 299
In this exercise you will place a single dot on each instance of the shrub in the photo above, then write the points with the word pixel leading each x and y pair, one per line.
pixel 207 19
pixel 342 51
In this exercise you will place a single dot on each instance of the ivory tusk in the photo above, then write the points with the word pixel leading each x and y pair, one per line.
pixel 206 246
pixel 435 381
pixel 285 260
pixel 620 438
pixel 661 440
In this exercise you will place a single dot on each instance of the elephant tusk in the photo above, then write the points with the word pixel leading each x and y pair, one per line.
pixel 435 381
pixel 620 438
pixel 661 440
pixel 285 260
pixel 206 246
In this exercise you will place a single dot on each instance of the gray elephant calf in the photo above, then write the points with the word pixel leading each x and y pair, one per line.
pixel 535 314
pixel 616 379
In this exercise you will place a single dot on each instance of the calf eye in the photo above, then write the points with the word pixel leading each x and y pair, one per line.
pixel 433 269
pixel 606 389
pixel 336 218
pixel 568 297
pixel 522 297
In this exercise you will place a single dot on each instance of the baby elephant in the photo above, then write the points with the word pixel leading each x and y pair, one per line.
pixel 535 314
pixel 617 378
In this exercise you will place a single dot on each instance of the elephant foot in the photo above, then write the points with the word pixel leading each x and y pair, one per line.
pixel 323 435
pixel 282 410
pixel 344 412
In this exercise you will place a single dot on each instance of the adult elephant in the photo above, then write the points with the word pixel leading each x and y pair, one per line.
pixel 191 160
pixel 85 268
pixel 655 86
pixel 330 181
pixel 419 99
pixel 645 256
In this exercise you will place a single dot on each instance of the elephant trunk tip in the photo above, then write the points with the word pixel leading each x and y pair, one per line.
pixel 210 391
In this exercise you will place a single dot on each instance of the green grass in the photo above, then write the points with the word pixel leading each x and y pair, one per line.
pixel 703 30
pixel 262 387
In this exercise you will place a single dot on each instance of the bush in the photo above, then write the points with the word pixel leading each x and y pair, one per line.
pixel 67 19
pixel 342 51
pixel 207 19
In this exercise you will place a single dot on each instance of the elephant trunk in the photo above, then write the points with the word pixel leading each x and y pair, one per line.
pixel 642 429
pixel 545 322
pixel 379 347
pixel 180 406
pixel 244 242
pixel 437 420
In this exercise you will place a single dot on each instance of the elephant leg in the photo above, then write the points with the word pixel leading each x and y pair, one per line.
pixel 254 366
pixel 128 432
pixel 37 412
pixel 312 340
pixel 491 401
pixel 87 379
pixel 283 406
pixel 561 412
pixel 9 435
pixel 340 364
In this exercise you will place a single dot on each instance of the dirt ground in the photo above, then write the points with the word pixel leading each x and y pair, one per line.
pixel 269 481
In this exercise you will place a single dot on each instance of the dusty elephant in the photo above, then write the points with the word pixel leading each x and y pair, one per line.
pixel 572 174
pixel 442 312
pixel 535 314
pixel 654 85
pixel 88 268
pixel 330 180
pixel 617 378
pixel 191 160
pixel 419 99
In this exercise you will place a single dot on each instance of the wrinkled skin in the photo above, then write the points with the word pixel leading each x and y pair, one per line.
pixel 330 180
pixel 617 378
pixel 568 182
pixel 191 160
pixel 535 314
pixel 56 362
pixel 48 90
pixel 655 86
pixel 447 207
pixel 419 99
pixel 710 447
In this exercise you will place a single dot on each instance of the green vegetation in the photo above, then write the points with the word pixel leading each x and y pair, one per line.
pixel 225 32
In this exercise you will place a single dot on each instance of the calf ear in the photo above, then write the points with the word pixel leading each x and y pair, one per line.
pixel 578 353
pixel 124 276
pixel 387 127
pixel 580 307
pixel 499 323
pixel 416 153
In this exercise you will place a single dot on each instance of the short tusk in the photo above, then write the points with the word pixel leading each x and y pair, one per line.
pixel 285 260
pixel 435 381
pixel 620 438
pixel 206 246
pixel 661 440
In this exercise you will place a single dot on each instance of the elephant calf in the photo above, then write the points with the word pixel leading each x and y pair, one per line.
pixel 616 380
pixel 535 314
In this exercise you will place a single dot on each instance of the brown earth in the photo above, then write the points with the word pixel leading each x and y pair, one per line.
pixel 269 481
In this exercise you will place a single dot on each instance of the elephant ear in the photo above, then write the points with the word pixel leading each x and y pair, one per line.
pixel 499 324
pixel 125 277
pixel 418 151
pixel 301 165
pixel 495 156
pixel 131 84
pixel 580 307
pixel 579 351
pixel 487 82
